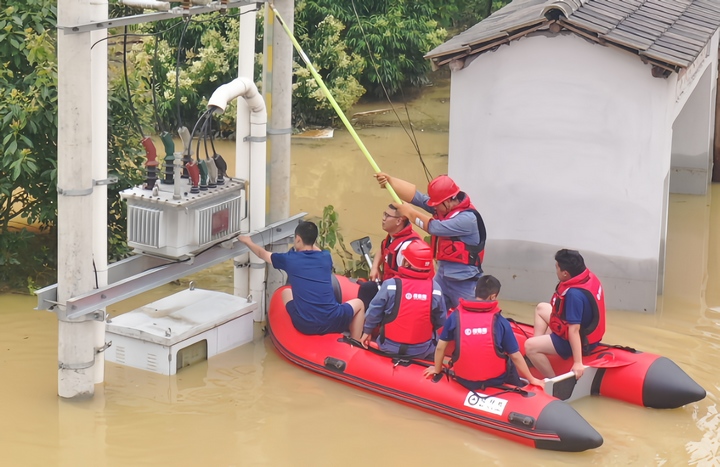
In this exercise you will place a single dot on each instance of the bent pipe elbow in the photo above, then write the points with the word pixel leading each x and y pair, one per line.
pixel 234 89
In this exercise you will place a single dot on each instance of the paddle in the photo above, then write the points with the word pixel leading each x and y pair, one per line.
pixel 362 246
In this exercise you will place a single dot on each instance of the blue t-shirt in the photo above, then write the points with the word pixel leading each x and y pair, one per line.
pixel 578 309
pixel 310 278
pixel 502 331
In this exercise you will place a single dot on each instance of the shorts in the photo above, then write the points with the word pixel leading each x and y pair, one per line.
pixel 336 323
pixel 562 346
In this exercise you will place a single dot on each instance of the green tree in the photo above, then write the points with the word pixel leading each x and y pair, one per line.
pixel 391 35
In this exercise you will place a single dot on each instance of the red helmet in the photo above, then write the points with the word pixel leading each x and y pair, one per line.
pixel 419 255
pixel 440 189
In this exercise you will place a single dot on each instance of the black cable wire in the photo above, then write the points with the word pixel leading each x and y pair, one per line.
pixel 154 84
pixel 413 138
pixel 177 73
pixel 127 87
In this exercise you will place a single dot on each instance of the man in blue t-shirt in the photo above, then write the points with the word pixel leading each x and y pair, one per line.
pixel 311 301
pixel 473 325
pixel 574 322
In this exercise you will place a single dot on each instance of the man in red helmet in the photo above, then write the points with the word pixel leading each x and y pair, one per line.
pixel 388 260
pixel 457 229
pixel 408 307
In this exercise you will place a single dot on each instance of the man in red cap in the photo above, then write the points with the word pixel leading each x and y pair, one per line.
pixel 408 307
pixel 457 229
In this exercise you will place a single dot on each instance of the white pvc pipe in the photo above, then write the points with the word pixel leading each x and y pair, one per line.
pixel 147 4
pixel 99 67
pixel 246 67
pixel 258 125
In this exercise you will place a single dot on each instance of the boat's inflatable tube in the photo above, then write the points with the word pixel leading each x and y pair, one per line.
pixel 525 415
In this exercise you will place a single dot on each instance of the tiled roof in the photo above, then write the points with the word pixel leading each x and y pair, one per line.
pixel 667 33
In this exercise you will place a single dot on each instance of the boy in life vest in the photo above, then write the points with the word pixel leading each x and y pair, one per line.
pixel 457 230
pixel 573 323
pixel 310 300
pixel 408 307
pixel 486 350
pixel 390 257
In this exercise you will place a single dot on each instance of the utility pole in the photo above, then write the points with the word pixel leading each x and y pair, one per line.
pixel 76 340
pixel 280 105
pixel 277 87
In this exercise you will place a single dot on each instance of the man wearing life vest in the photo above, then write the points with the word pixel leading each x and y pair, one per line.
pixel 573 323
pixel 486 350
pixel 457 229
pixel 387 262
pixel 408 307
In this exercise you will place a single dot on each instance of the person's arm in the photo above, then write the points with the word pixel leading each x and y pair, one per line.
pixel 462 225
pixel 259 251
pixel 523 369
pixel 421 219
pixel 439 311
pixel 576 345
pixel 404 190
pixel 576 307
pixel 375 269
pixel 439 357
pixel 374 314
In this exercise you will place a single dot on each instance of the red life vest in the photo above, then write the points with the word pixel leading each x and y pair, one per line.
pixel 589 285
pixel 409 322
pixel 390 247
pixel 452 248
pixel 477 356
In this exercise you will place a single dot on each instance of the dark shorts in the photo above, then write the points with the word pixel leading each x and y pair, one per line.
pixel 562 347
pixel 338 322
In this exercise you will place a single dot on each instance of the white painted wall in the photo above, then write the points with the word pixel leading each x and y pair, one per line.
pixel 564 144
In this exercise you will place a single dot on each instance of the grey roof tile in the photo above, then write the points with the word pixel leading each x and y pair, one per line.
pixel 671 33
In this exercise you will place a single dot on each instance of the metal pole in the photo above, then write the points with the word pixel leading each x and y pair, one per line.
pixel 76 351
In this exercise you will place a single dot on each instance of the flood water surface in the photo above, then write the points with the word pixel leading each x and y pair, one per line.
pixel 249 406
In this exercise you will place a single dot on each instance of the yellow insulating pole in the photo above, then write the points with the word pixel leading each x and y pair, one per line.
pixel 333 102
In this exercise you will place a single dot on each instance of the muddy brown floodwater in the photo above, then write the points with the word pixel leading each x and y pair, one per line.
pixel 250 407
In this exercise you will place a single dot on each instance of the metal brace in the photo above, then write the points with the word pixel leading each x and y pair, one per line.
pixel 257 266
pixel 255 139
pixel 86 365
pixel 279 131
pixel 239 265
pixel 87 191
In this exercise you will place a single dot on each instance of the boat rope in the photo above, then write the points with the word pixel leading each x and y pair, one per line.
pixel 332 101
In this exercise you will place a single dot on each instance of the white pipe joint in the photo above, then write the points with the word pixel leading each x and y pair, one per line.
pixel 236 88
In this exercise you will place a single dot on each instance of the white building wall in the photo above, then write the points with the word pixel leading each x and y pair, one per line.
pixel 693 128
pixel 565 146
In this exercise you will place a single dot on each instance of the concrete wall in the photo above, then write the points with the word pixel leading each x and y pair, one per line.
pixel 565 145
pixel 693 127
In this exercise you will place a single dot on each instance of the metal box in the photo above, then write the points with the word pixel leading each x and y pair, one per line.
pixel 163 336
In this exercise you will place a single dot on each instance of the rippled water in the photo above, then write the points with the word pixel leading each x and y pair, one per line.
pixel 248 406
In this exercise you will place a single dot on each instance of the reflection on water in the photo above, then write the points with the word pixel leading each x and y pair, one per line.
pixel 250 407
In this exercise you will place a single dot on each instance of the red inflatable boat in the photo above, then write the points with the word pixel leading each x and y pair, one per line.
pixel 526 415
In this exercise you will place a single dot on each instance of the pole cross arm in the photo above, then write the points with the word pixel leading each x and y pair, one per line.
pixel 141 273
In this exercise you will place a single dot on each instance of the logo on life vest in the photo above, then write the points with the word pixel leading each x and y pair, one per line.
pixel 416 296
pixel 482 402
pixel 475 331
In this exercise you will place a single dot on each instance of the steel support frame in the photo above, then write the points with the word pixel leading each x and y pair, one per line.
pixel 177 12
pixel 141 273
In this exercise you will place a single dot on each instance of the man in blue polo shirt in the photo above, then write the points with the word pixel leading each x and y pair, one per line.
pixel 311 301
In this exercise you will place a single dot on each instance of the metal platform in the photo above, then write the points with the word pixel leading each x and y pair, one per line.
pixel 141 273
